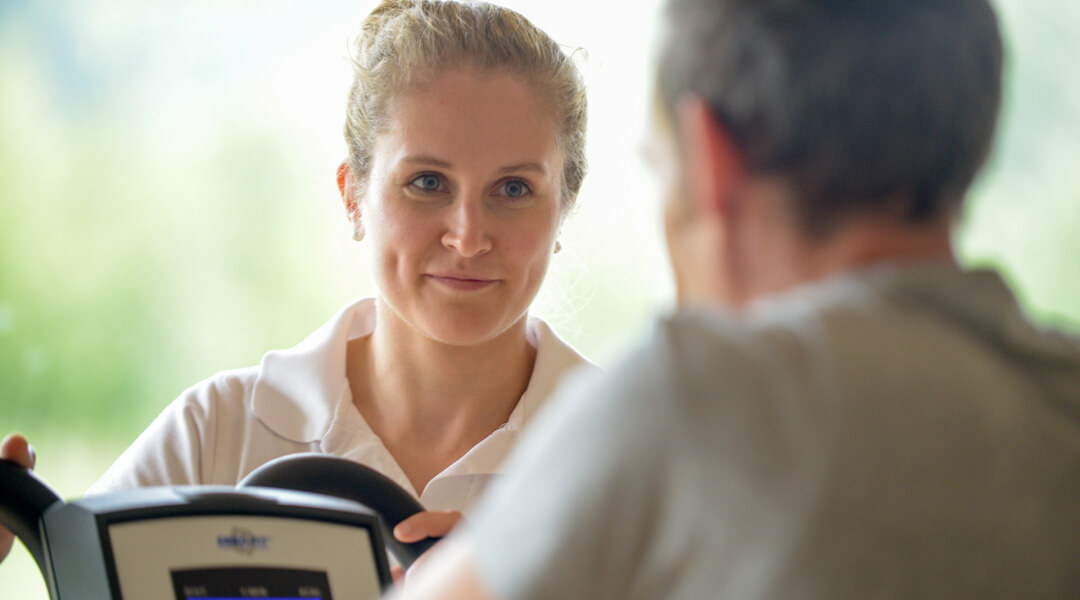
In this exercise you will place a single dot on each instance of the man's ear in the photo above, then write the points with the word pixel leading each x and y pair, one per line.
pixel 714 164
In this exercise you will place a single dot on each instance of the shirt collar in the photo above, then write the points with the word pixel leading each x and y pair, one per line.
pixel 297 390
pixel 554 358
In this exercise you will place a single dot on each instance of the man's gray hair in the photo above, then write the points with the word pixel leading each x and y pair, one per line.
pixel 862 106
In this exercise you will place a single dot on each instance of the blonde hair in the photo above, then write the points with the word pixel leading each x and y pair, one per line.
pixel 404 43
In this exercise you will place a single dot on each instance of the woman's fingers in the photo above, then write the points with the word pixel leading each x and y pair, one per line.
pixel 422 525
pixel 432 523
pixel 16 449
pixel 7 540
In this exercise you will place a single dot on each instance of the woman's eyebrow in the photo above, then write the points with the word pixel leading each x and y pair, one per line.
pixel 530 166
pixel 427 159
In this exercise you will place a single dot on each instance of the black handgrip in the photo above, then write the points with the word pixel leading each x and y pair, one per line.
pixel 23 500
pixel 342 478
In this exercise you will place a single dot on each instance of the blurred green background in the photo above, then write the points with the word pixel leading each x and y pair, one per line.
pixel 168 206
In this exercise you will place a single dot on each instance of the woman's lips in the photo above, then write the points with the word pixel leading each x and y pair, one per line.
pixel 462 282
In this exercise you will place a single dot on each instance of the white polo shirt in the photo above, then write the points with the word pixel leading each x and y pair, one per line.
pixel 299 400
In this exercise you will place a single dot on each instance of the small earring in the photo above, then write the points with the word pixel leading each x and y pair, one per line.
pixel 558 247
pixel 358 234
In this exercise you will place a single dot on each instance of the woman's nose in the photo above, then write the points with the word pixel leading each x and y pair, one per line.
pixel 466 231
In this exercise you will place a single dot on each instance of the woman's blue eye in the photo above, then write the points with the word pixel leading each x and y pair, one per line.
pixel 428 183
pixel 515 189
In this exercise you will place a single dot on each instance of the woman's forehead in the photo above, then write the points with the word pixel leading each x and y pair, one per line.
pixel 467 115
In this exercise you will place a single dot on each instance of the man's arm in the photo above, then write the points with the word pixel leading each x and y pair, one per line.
pixel 449 574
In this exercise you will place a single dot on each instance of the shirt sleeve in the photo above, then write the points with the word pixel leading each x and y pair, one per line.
pixel 171 450
pixel 571 518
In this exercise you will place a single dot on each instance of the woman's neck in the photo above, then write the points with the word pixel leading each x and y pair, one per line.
pixel 430 402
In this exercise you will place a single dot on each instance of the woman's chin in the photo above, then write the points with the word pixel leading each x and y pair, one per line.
pixel 456 322
pixel 467 330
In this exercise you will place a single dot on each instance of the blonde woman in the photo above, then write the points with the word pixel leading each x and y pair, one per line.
pixel 465 128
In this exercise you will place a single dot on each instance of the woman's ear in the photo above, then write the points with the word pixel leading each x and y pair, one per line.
pixel 714 164
pixel 347 186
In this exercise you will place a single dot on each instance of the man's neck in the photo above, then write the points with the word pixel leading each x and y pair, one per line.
pixel 786 261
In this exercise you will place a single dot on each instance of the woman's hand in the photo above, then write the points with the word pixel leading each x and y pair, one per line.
pixel 16 449
pixel 423 525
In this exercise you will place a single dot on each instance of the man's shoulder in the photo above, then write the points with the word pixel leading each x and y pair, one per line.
pixel 865 316
pixel 722 346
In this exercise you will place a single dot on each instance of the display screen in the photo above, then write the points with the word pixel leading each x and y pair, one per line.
pixel 241 583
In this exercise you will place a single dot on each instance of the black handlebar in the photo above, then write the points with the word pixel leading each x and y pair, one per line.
pixel 24 497
pixel 342 478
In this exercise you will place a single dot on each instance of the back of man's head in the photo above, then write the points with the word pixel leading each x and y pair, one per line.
pixel 862 106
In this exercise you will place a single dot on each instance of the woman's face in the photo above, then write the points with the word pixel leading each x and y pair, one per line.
pixel 462 204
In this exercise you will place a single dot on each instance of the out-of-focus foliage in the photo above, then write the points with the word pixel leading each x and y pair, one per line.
pixel 154 229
